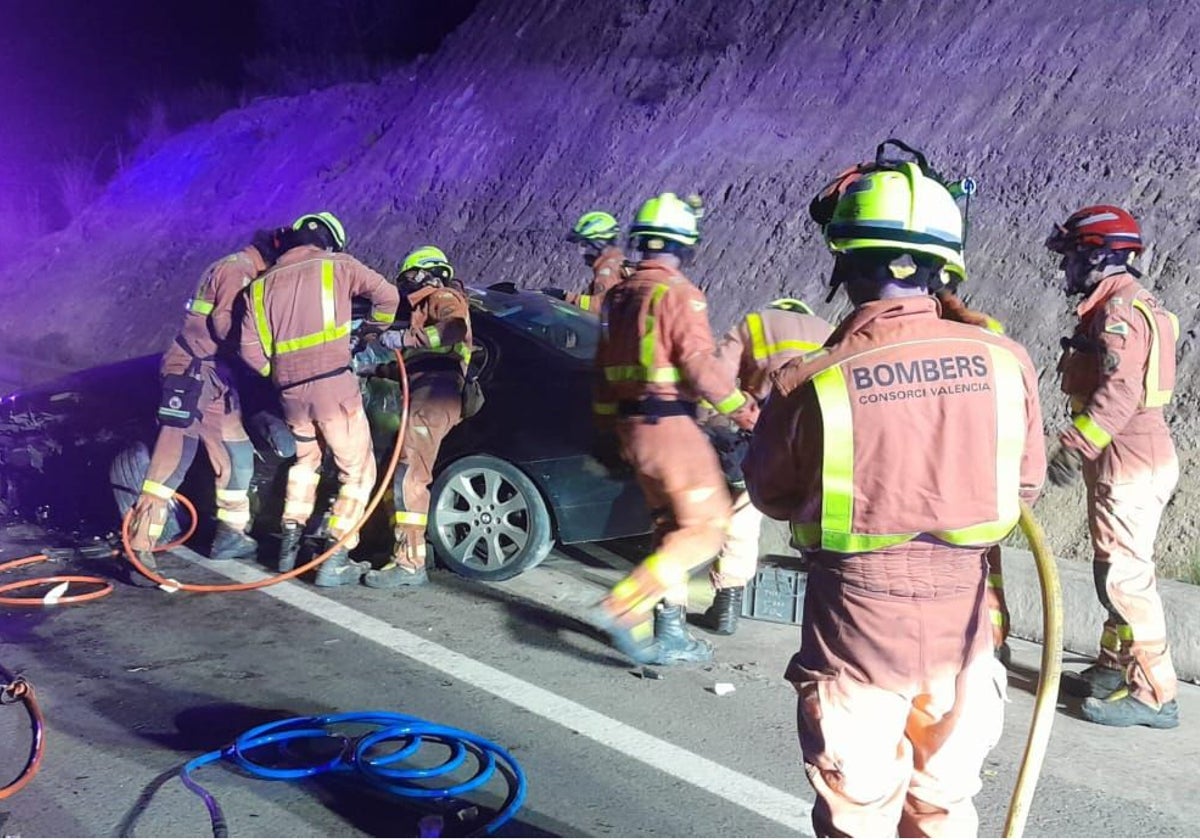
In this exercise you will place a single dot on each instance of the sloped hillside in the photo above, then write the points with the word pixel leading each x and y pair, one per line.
pixel 536 110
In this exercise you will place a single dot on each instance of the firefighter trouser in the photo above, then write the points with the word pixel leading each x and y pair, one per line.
pixel 434 408
pixel 997 606
pixel 331 408
pixel 678 472
pixel 1124 520
pixel 229 450
pixel 738 560
pixel 900 697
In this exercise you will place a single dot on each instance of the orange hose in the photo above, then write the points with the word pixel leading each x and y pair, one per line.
pixel 21 689
pixel 299 570
pixel 106 586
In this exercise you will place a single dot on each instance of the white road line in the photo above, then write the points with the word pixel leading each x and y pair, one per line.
pixel 738 788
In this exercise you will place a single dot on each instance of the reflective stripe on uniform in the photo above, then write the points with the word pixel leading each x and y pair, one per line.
pixel 1154 396
pixel 233 517
pixel 332 331
pixel 302 475
pixel 604 408
pixel 381 317
pixel 257 302
pixel 200 307
pixel 158 490
pixel 435 337
pixel 585 302
pixel 1093 432
pixel 298 507
pixel 836 529
pixel 995 581
pixel 407 517
pixel 762 350
pixel 646 371
pixel 357 493
pixel 232 495
pixel 731 403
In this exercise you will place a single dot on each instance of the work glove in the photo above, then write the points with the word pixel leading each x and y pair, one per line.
pixel 1065 467
pixel 392 339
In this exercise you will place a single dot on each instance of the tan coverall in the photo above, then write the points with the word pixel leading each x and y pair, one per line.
pixel 607 271
pixel 1119 373
pixel 297 331
pixel 201 347
pixel 655 359
pixel 437 350
pixel 755 347
pixel 954 309
pixel 899 454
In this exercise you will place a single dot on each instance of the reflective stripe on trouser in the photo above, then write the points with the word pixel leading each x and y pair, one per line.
pixel 314 408
pixel 230 453
pixel 997 606
pixel 677 470
pixel 900 701
pixel 1124 520
pixel 435 407
pixel 738 560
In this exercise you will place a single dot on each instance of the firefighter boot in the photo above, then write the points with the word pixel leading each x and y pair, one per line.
pixel 722 617
pixel 1095 681
pixel 289 546
pixel 635 639
pixel 394 576
pixel 1122 709
pixel 340 570
pixel 231 544
pixel 673 644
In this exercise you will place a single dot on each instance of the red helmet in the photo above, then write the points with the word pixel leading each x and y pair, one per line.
pixel 1098 226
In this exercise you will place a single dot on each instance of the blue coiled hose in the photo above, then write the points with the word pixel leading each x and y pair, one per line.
pixel 407 733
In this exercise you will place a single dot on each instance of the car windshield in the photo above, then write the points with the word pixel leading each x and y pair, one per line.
pixel 566 328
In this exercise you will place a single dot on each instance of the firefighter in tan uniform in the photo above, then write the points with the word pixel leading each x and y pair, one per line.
pixel 953 308
pixel 296 330
pixel 596 234
pixel 655 360
pixel 1118 370
pixel 755 347
pixel 437 349
pixel 899 452
pixel 200 406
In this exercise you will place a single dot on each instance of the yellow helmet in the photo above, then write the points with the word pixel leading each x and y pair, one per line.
pixel 429 258
pixel 899 209
pixel 326 220
pixel 791 305
pixel 595 226
pixel 664 219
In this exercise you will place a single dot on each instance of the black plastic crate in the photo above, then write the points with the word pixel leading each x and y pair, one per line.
pixel 776 593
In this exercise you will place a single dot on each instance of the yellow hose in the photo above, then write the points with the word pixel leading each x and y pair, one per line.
pixel 1047 692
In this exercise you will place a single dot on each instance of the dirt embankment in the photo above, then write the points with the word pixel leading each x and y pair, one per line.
pixel 536 110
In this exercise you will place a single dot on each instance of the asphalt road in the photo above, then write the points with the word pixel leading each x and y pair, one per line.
pixel 136 684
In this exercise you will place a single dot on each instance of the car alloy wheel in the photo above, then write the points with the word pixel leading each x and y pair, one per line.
pixel 487 520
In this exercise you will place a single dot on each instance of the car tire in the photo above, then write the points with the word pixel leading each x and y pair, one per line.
pixel 487 519
pixel 125 476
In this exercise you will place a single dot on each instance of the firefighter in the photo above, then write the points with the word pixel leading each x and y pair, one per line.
pixel 1118 370
pixel 899 452
pixel 656 357
pixel 953 308
pixel 755 347
pixel 596 235
pixel 200 405
pixel 437 349
pixel 296 330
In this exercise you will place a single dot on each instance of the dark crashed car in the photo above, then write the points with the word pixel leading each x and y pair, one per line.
pixel 509 481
